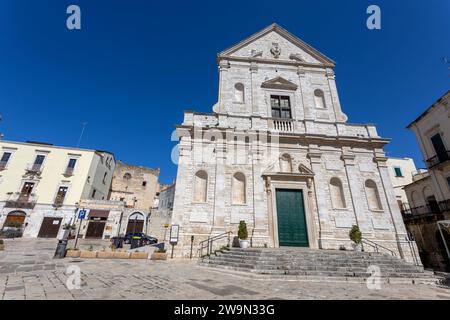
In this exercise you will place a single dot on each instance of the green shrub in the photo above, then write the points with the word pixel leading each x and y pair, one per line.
pixel 242 231
pixel 13 224
pixel 355 234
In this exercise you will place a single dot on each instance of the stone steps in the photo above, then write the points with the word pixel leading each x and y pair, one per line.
pixel 316 264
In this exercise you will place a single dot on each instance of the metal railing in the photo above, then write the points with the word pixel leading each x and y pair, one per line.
pixel 21 201
pixel 208 244
pixel 438 159
pixel 3 165
pixel 377 246
pixel 35 168
pixel 68 171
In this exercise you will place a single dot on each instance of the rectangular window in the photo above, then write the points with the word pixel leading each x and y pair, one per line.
pixel 62 191
pixel 5 157
pixel 72 163
pixel 70 166
pixel 144 183
pixel 93 193
pixel 281 107
pixel 439 147
pixel 104 177
pixel 39 159
pixel 398 172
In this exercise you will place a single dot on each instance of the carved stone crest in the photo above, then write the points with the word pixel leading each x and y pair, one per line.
pixel 275 50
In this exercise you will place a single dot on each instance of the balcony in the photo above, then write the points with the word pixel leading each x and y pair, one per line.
pixel 438 159
pixel 282 125
pixel 34 168
pixel 426 210
pixel 21 201
pixel 3 165
pixel 68 172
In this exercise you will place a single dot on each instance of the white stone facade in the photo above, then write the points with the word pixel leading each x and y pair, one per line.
pixel 339 167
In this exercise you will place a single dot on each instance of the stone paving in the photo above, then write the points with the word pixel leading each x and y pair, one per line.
pixel 27 271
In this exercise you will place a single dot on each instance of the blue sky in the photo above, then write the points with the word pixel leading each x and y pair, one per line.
pixel 136 65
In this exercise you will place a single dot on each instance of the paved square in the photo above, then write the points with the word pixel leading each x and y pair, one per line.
pixel 28 271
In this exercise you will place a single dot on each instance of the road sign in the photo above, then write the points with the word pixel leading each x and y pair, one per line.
pixel 82 214
pixel 174 234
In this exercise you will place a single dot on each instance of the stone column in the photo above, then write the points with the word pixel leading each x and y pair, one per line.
pixel 339 115
pixel 357 196
pixel 389 194
pixel 223 68
pixel 261 217
pixel 320 185
pixel 219 191
pixel 307 111
pixel 254 88
pixel 183 190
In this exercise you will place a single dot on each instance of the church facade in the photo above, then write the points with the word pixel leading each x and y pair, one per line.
pixel 277 152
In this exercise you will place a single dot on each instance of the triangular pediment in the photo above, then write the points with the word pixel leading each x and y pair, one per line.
pixel 279 83
pixel 275 43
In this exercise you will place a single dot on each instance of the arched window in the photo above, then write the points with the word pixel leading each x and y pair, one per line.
pixel 239 94
pixel 319 99
pixel 286 163
pixel 200 186
pixel 373 197
pixel 415 199
pixel 238 188
pixel 337 193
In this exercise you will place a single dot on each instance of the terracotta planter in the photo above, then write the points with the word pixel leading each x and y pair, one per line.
pixel 121 255
pixel 73 253
pixel 139 255
pixel 158 256
pixel 105 255
pixel 88 254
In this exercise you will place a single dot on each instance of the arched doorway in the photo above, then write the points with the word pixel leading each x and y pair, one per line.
pixel 15 219
pixel 135 223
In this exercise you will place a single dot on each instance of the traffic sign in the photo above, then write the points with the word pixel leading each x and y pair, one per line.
pixel 82 214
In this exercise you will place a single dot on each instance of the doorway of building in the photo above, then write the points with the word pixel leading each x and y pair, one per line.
pixel 15 219
pixel 49 227
pixel 292 229
pixel 95 228
pixel 135 223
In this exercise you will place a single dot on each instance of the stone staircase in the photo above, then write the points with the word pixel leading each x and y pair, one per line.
pixel 318 264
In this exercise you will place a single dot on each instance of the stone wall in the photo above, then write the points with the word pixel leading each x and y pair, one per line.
pixel 135 185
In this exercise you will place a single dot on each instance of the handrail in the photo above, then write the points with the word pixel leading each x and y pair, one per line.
pixel 209 243
pixel 376 245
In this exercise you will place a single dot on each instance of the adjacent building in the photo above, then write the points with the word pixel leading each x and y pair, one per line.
pixel 41 185
pixel 277 152
pixel 429 193
pixel 161 216
pixel 401 171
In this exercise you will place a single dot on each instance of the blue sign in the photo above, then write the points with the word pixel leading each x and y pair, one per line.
pixel 82 214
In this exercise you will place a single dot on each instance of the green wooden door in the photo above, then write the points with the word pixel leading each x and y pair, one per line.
pixel 291 218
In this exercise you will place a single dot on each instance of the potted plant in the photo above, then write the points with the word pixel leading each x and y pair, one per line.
pixel 159 254
pixel 2 245
pixel 356 236
pixel 243 235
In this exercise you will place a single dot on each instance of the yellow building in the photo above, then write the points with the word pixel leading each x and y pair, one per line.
pixel 41 184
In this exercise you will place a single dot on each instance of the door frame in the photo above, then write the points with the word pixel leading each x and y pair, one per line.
pixel 307 206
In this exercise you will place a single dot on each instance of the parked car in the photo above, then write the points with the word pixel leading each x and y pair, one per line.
pixel 139 235
pixel 10 233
